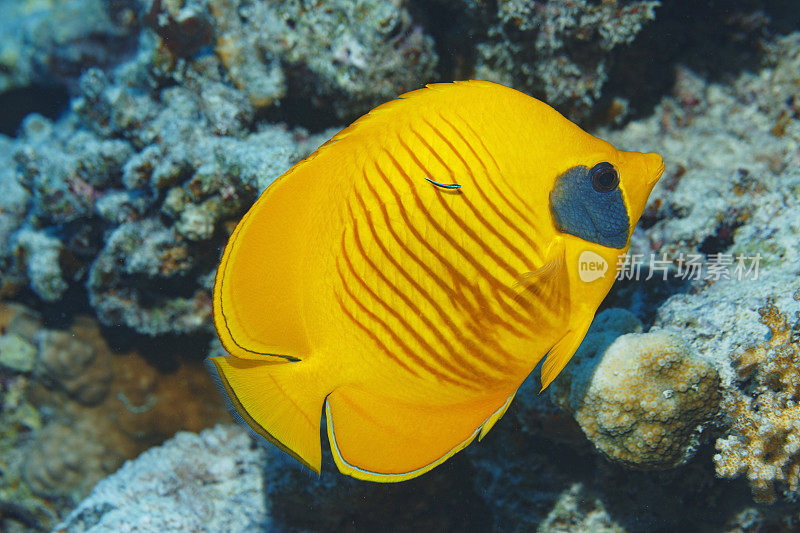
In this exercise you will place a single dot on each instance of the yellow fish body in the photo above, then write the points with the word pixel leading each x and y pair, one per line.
pixel 408 276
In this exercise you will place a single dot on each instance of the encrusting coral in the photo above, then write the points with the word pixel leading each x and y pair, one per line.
pixel 146 249
pixel 345 56
pixel 352 55
pixel 764 443
pixel 641 398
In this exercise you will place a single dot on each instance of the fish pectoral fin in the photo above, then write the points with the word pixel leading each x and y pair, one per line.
pixel 553 265
pixel 545 282
pixel 281 402
pixel 377 438
pixel 562 351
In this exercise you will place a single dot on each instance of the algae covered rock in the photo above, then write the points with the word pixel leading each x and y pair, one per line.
pixel 16 354
pixel 641 398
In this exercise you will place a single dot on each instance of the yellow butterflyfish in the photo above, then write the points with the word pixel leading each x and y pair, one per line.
pixel 408 276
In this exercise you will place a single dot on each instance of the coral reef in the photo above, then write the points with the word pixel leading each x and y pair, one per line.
pixel 73 410
pixel 50 41
pixel 745 170
pixel 743 184
pixel 171 137
pixel 162 152
pixel 764 443
pixel 121 205
pixel 80 183
pixel 345 58
pixel 150 250
pixel 559 50
pixel 641 398
pixel 575 511
pixel 537 471
pixel 212 481
pixel 128 197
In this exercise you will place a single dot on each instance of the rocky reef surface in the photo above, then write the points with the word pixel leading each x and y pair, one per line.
pixel 211 481
pixel 680 409
pixel 73 409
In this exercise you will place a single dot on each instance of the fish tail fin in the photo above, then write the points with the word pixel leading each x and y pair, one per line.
pixel 279 401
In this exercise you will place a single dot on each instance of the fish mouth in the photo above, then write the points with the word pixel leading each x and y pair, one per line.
pixel 659 171
pixel 645 168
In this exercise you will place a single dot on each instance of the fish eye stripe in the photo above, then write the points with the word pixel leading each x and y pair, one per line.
pixel 448 186
pixel 588 203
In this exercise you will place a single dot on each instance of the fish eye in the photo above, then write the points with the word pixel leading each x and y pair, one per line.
pixel 604 177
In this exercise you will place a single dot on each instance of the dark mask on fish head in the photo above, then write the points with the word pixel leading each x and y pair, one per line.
pixel 587 202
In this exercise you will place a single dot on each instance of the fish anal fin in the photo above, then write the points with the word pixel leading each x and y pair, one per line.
pixel 492 420
pixel 279 401
pixel 376 438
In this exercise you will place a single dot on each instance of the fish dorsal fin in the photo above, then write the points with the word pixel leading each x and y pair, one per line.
pixel 431 91
pixel 377 438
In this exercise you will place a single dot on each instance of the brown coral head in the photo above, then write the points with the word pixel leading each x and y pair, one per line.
pixel 74 365
pixel 183 31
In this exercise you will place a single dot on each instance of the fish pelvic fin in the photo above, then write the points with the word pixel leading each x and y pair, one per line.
pixel 563 350
pixel 280 402
pixel 377 438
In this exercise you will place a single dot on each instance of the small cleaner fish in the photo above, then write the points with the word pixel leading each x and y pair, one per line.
pixel 406 277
